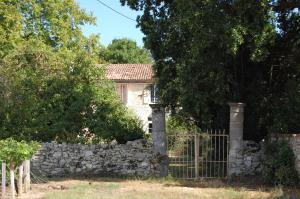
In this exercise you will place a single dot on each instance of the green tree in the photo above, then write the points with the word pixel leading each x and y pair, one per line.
pixel 48 95
pixel 50 85
pixel 208 53
pixel 54 22
pixel 17 152
pixel 123 51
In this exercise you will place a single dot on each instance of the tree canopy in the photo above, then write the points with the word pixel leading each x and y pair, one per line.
pixel 50 85
pixel 125 51
pixel 208 53
pixel 54 22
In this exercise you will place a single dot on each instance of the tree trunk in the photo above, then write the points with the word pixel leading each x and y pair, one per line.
pixel 12 179
pixel 27 175
pixel 3 180
pixel 20 181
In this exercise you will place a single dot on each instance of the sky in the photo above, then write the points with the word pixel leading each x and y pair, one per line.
pixel 111 25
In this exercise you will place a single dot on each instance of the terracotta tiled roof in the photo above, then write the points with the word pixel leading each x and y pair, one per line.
pixel 129 72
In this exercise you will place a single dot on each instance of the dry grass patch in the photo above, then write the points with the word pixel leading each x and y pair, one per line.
pixel 150 189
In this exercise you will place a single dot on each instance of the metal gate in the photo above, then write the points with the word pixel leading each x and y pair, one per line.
pixel 198 155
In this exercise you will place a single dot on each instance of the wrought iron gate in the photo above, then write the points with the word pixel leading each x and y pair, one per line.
pixel 196 156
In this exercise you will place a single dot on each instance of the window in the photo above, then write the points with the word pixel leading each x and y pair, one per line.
pixel 122 92
pixel 146 94
pixel 154 97
pixel 150 124
pixel 150 127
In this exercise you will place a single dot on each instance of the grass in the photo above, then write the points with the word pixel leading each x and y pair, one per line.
pixel 157 189
pixel 84 190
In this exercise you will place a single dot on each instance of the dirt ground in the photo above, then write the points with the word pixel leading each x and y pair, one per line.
pixel 111 188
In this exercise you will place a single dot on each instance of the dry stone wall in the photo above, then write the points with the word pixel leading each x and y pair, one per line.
pixel 249 159
pixel 251 155
pixel 135 158
pixel 294 141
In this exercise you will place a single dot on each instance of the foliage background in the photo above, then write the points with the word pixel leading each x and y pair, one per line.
pixel 50 85
pixel 125 51
pixel 209 52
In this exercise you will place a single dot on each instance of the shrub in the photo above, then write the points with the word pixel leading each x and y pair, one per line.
pixel 14 151
pixel 279 164
pixel 132 130
pixel 181 132
pixel 177 125
pixel 115 122
pixel 124 127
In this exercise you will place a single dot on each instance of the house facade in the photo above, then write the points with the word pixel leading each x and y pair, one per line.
pixel 134 85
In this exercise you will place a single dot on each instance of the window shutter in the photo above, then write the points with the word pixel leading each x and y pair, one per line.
pixel 124 93
pixel 119 91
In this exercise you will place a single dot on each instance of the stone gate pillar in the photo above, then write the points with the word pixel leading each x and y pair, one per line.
pixel 236 128
pixel 159 137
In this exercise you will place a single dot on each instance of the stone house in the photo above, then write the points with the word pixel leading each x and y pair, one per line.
pixel 135 86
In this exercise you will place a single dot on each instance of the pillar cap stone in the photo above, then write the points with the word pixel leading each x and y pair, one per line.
pixel 237 104
pixel 156 106
pixel 236 107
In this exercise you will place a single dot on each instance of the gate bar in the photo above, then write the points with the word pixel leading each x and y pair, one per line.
pixel 196 156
